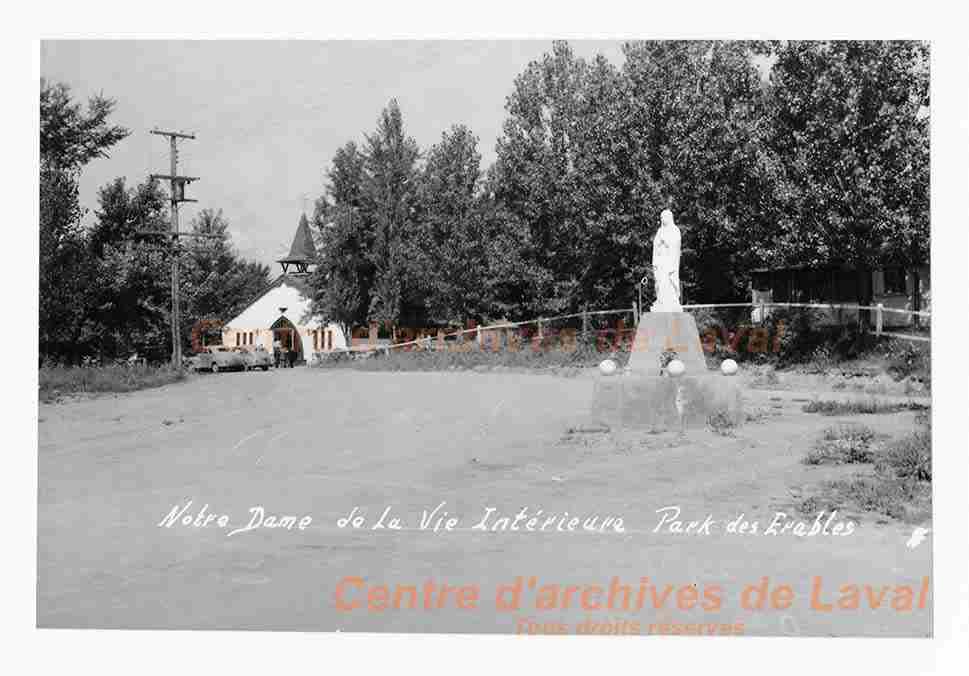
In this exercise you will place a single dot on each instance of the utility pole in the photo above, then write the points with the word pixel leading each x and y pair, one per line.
pixel 178 184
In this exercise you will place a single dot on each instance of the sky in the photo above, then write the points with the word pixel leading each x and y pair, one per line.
pixel 269 115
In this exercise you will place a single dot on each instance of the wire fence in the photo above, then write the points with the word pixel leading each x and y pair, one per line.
pixel 576 326
pixel 591 326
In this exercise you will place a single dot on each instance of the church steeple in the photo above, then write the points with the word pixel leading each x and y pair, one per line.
pixel 302 253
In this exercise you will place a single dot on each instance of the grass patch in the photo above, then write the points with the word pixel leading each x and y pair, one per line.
pixel 900 485
pixel 900 499
pixel 842 445
pixel 765 376
pixel 861 407
pixel 910 457
pixel 59 381
pixel 476 357
pixel 722 423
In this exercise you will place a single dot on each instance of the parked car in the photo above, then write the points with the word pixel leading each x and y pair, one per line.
pixel 260 358
pixel 217 358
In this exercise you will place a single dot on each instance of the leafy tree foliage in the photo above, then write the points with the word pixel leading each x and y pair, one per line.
pixel 216 282
pixel 69 138
pixel 63 273
pixel 696 128
pixel 344 276
pixel 851 131
pixel 769 154
pixel 388 203
pixel 105 291
pixel 591 155
pixel 448 242
pixel 129 301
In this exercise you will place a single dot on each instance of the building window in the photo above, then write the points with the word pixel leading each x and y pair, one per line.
pixel 329 340
pixel 238 339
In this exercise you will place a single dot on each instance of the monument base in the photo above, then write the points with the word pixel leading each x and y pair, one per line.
pixel 663 403
pixel 662 333
pixel 644 395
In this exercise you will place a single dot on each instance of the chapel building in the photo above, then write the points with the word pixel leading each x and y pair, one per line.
pixel 281 311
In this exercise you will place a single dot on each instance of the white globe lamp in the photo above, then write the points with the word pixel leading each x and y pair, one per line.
pixel 608 367
pixel 676 368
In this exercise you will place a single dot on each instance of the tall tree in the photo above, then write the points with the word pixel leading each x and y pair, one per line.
pixel 64 273
pixel 217 283
pixel 695 124
pixel 390 162
pixel 447 255
pixel 128 308
pixel 344 276
pixel 851 126
pixel 535 176
pixel 70 137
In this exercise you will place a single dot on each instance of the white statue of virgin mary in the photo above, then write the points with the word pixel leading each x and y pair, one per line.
pixel 666 265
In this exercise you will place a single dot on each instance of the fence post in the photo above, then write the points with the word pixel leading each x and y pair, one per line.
pixel 879 319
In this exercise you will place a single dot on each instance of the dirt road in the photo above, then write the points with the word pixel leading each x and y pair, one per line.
pixel 306 442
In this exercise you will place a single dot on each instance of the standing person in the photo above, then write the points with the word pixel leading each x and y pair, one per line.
pixel 291 357
pixel 277 352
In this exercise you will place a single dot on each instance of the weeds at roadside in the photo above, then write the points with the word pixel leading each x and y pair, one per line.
pixel 567 361
pixel 816 503
pixel 898 483
pixel 910 457
pixel 865 407
pixel 900 499
pixel 759 415
pixel 56 382
pixel 842 445
pixel 722 423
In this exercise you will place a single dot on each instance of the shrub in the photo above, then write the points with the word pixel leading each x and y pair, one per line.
pixel 909 359
pixel 841 445
pixel 901 486
pixel 861 407
pixel 802 333
pixel 904 500
pixel 795 336
pixel 722 423
pixel 766 375
pixel 911 456
pixel 822 359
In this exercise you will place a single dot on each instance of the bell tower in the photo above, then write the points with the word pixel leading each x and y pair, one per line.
pixel 302 253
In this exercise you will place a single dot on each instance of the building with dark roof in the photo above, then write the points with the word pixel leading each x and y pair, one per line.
pixel 894 287
pixel 281 312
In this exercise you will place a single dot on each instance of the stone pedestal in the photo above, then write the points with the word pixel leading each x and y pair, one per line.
pixel 660 332
pixel 644 396
pixel 655 402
